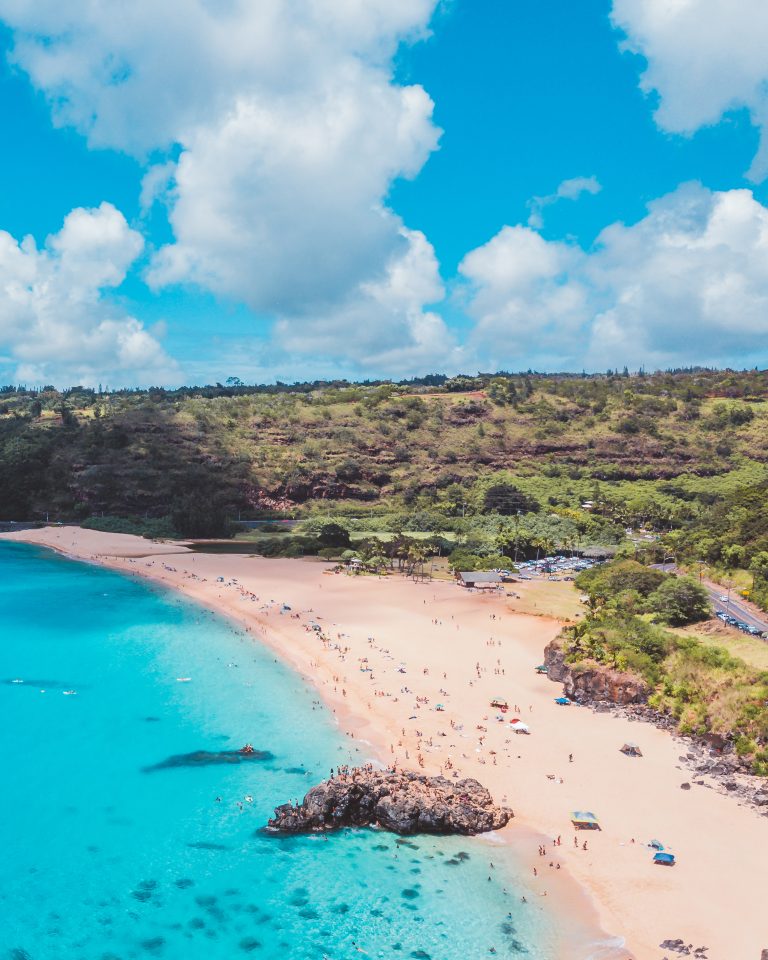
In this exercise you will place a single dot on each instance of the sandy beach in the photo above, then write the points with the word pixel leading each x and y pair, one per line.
pixel 396 649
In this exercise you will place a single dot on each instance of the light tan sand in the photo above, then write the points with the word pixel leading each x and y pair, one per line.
pixel 716 894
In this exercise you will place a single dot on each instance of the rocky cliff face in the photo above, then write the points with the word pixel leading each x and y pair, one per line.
pixel 591 682
pixel 405 803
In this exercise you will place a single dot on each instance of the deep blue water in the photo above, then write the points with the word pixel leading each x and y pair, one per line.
pixel 100 859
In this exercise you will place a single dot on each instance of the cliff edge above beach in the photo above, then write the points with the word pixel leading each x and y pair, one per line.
pixel 404 803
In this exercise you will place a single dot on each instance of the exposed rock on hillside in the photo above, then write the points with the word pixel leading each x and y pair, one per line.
pixel 405 803
pixel 589 682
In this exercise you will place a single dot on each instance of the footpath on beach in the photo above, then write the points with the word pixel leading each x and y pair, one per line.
pixel 413 669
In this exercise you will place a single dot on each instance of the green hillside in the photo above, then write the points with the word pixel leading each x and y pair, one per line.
pixel 506 460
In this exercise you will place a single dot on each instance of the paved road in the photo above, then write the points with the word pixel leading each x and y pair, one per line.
pixel 735 606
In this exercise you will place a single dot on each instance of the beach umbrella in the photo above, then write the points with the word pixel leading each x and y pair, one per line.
pixel 584 820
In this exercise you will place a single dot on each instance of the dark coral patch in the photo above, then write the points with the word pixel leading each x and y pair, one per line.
pixel 153 944
pixel 249 944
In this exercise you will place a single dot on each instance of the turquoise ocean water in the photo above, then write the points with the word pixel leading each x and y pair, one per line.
pixel 101 858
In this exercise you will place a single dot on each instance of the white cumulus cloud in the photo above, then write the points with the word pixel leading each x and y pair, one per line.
pixel 280 205
pixel 56 325
pixel 383 324
pixel 276 130
pixel 686 284
pixel 704 58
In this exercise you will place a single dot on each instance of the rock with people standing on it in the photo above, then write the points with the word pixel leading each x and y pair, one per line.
pixel 404 803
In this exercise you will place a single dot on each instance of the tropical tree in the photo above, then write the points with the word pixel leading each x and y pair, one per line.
pixel 680 600
pixel 506 499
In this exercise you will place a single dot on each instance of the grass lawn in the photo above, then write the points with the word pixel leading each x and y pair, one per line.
pixel 546 598
pixel 749 649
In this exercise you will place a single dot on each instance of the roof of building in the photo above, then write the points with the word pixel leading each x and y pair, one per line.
pixel 473 577
pixel 599 553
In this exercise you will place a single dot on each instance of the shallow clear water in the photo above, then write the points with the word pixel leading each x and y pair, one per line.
pixel 103 859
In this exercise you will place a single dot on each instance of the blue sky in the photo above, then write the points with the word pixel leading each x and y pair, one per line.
pixel 380 189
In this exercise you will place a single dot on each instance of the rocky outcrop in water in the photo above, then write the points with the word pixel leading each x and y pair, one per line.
pixel 589 682
pixel 404 803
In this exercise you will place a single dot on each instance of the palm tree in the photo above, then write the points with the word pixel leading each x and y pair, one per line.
pixel 578 631
pixel 418 551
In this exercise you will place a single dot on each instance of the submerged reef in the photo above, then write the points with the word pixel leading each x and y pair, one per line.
pixel 206 758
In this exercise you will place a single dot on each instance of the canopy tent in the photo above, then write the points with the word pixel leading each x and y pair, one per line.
pixel 520 727
pixel 656 845
pixel 563 701
pixel 665 859
pixel 542 669
pixel 584 820
pixel 631 750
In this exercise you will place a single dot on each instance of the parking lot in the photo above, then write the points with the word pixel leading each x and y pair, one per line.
pixel 554 568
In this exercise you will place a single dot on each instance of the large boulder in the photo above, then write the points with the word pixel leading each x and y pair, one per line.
pixel 404 803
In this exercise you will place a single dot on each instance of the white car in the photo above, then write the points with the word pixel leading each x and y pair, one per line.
pixel 723 599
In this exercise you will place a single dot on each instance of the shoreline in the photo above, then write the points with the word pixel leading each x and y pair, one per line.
pixel 583 938
pixel 630 895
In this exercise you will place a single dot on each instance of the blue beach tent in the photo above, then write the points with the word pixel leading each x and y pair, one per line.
pixel 563 701
pixel 665 859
